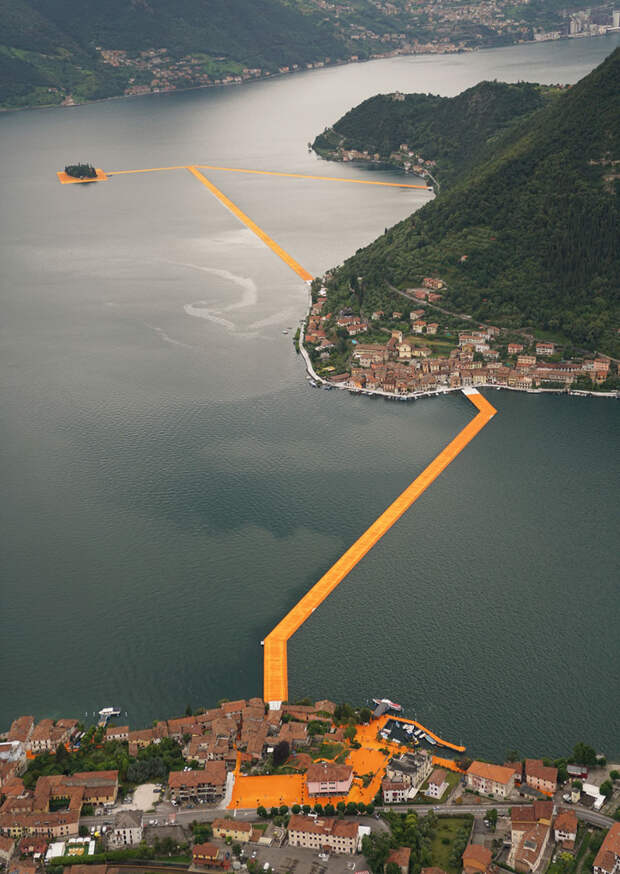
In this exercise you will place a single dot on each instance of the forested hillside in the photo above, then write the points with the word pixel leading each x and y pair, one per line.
pixel 64 50
pixel 530 236
pixel 449 130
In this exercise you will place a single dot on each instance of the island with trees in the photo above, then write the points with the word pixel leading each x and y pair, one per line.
pixel 81 173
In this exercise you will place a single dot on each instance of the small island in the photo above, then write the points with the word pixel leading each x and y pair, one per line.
pixel 81 173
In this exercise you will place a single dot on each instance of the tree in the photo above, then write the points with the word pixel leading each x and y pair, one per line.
pixel 606 788
pixel 273 811
pixel 350 732
pixel 236 849
pixel 577 784
pixel 365 715
pixel 491 815
pixel 318 808
pixel 330 810
pixel 83 830
pixel 512 755
pixel 351 808
pixel 370 809
pixel 392 868
pixel 614 775
pixel 584 754
pixel 306 808
pixel 281 753
pixel 296 808
pixel 341 807
pixel 188 710
pixel 261 811
pixel 283 809
pixel 61 754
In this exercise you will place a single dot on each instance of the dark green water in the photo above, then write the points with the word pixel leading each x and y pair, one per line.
pixel 172 486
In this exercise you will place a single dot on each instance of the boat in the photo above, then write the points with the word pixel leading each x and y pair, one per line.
pixel 109 712
pixel 327 387
pixel 391 705
pixel 285 332
pixel 313 384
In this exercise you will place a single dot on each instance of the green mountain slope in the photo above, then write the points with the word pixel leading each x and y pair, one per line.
pixel 530 236
pixel 450 130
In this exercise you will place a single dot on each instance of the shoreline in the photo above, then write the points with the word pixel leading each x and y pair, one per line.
pixel 429 393
pixel 278 75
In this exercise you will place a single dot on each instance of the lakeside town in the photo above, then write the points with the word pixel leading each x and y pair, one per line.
pixel 306 787
pixel 420 29
pixel 422 347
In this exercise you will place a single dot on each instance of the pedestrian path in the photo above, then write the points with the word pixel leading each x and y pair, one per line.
pixel 275 681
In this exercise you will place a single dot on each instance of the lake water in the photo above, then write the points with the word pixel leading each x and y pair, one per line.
pixel 172 485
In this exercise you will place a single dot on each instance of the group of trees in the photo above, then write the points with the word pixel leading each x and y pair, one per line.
pixel 341 809
pixel 152 762
pixel 81 171
pixel 453 131
pixel 536 216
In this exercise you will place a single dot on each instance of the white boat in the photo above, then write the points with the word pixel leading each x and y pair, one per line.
pixel 108 712
pixel 391 704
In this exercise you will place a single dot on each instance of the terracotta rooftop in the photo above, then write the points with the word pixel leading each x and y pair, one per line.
pixel 610 849
pixel 400 857
pixel 535 768
pixel 476 857
pixel 438 777
pixel 327 772
pixel 486 771
pixel 566 821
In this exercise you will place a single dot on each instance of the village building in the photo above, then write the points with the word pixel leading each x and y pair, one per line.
pixel 541 777
pixel 530 831
pixel 117 732
pixel 430 282
pixel 607 860
pixel 325 778
pixel 515 348
pixel 476 859
pixel 437 783
pixel 529 853
pixel 543 348
pixel 323 834
pixel 233 829
pixel 490 779
pixel 21 729
pixel 412 769
pixel 394 791
pixel 526 361
pixel 208 855
pixel 400 856
pixel 127 828
pixel 432 328
pixel 565 829
pixel 206 784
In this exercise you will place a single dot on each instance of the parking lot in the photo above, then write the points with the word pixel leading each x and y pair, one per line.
pixel 297 860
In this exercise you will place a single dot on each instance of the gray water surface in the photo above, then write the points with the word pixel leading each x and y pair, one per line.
pixel 172 485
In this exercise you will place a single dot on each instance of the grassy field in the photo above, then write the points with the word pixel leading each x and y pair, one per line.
pixel 444 840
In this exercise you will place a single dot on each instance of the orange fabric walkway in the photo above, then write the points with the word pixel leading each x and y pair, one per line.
pixel 260 233
pixel 444 743
pixel 275 684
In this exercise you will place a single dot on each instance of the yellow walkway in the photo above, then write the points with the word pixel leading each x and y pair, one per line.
pixel 312 176
pixel 275 683
pixel 260 233
pixel 445 743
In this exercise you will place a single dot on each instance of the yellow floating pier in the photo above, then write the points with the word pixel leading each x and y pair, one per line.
pixel 275 683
